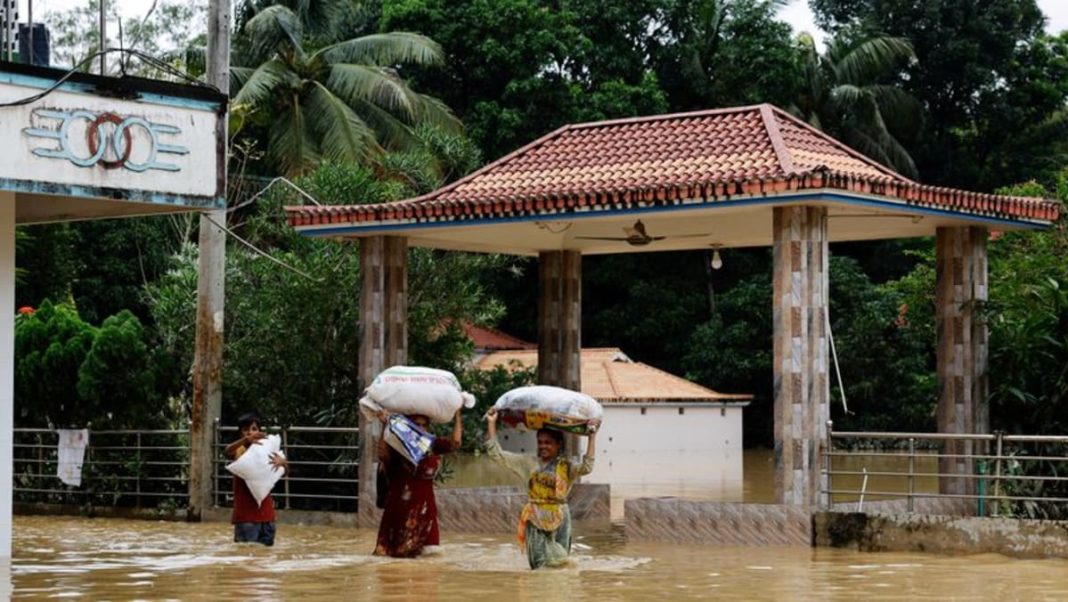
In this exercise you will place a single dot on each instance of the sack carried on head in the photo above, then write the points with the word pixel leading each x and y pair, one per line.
pixel 411 390
pixel 254 466
pixel 541 406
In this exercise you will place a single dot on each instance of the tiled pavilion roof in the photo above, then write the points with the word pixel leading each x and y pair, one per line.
pixel 609 376
pixel 670 159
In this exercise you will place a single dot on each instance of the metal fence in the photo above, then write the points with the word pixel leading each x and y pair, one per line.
pixel 150 468
pixel 1003 475
pixel 122 468
pixel 323 464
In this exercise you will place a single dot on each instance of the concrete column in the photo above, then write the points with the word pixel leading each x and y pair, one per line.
pixel 560 324
pixel 383 343
pixel 7 370
pixel 961 289
pixel 800 286
pixel 560 319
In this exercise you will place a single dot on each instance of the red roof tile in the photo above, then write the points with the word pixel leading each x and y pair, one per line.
pixel 665 159
pixel 491 339
pixel 609 376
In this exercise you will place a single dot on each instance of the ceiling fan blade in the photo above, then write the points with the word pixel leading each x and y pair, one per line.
pixel 656 237
pixel 689 235
pixel 612 238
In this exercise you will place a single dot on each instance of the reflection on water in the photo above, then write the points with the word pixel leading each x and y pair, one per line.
pixel 96 559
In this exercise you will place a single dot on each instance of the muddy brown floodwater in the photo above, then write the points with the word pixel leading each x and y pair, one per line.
pixel 109 559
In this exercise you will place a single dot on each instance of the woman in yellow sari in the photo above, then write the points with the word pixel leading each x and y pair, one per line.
pixel 545 524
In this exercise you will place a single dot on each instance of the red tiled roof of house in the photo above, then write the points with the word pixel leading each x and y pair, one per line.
pixel 492 339
pixel 664 160
pixel 608 375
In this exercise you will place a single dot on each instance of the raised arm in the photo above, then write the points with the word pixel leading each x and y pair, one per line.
pixel 517 463
pixel 458 430
pixel 383 447
pixel 586 466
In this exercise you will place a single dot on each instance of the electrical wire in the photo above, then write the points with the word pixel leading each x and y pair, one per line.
pixel 261 252
pixel 148 59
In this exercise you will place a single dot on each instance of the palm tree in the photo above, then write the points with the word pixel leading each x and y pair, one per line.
pixel 843 96
pixel 344 102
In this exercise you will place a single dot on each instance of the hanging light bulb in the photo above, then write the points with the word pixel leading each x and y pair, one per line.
pixel 717 261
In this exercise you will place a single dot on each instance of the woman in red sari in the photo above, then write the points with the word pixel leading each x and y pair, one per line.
pixel 410 518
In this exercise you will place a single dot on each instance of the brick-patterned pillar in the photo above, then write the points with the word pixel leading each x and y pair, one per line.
pixel 560 323
pixel 549 302
pixel 800 365
pixel 383 343
pixel 961 269
pixel 560 318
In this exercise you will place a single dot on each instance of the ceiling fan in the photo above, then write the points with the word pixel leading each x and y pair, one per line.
pixel 636 236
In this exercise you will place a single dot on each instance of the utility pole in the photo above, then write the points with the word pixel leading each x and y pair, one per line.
pixel 103 36
pixel 211 269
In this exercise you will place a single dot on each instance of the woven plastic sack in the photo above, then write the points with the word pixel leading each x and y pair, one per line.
pixel 254 466
pixel 410 390
pixel 541 406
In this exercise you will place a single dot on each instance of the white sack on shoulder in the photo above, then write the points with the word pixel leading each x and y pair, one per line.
pixel 554 400
pixel 409 390
pixel 254 466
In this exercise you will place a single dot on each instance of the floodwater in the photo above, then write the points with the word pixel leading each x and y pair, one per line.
pixel 109 559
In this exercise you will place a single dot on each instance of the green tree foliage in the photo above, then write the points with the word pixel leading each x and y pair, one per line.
pixel 986 75
pixel 125 377
pixel 291 344
pixel 515 69
pixel 720 53
pixel 171 29
pixel 69 373
pixel 843 96
pixel 884 358
pixel 50 346
pixel 342 103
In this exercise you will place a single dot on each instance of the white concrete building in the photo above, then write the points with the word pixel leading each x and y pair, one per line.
pixel 646 409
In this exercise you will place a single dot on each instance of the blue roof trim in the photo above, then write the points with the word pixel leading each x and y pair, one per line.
pixel 318 231
pixel 43 83
pixel 113 194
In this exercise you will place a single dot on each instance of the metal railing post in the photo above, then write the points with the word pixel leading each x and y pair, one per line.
pixel 828 447
pixel 139 469
pixel 997 472
pixel 215 463
pixel 285 448
pixel 912 474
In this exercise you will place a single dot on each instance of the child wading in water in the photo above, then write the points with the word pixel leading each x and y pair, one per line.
pixel 252 522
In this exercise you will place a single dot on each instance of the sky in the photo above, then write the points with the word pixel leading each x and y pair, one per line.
pixel 797 14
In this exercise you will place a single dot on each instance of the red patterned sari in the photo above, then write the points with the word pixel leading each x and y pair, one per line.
pixel 410 519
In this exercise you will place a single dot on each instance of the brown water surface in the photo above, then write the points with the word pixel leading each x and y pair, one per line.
pixel 107 559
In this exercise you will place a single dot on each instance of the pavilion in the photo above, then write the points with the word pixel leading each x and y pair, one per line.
pixel 738 177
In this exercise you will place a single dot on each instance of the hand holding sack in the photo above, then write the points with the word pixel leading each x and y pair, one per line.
pixel 411 390
pixel 541 406
pixel 254 466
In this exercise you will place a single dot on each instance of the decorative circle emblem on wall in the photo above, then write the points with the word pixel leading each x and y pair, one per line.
pixel 110 140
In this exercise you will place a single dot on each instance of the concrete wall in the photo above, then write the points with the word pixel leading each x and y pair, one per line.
pixel 466 510
pixel 717 523
pixel 943 534
pixel 633 428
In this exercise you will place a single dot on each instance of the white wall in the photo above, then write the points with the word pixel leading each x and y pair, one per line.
pixel 7 366
pixel 197 170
